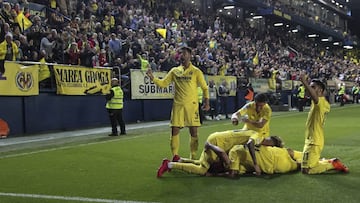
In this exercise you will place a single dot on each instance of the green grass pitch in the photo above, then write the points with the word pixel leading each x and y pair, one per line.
pixel 106 169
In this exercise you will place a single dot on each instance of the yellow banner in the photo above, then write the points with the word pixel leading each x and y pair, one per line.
pixel 262 85
pixel 78 80
pixel 287 85
pixel 230 81
pixel 143 88
pixel 19 80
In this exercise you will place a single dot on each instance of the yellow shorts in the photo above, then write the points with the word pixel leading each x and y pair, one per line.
pixel 311 155
pixel 241 160
pixel 208 157
pixel 185 115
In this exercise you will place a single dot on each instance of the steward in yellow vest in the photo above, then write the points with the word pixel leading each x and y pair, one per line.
pixel 114 106
pixel 355 92
pixel 301 97
pixel 341 94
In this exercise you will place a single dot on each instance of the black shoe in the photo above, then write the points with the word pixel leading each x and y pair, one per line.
pixel 123 133
pixel 113 134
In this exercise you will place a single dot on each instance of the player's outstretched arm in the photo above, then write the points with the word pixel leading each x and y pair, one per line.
pixel 219 152
pixel 250 145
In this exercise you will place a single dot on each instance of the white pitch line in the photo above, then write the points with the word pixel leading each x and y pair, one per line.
pixel 79 133
pixel 285 114
pixel 100 142
pixel 68 147
pixel 82 199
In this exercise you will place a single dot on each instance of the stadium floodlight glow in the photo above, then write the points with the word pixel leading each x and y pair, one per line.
pixel 257 17
pixel 228 7
pixel 348 47
pixel 295 30
pixel 312 35
pixel 336 43
pixel 278 24
pixel 325 40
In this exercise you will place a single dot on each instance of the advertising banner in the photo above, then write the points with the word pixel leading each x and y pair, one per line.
pixel 78 80
pixel 231 82
pixel 287 85
pixel 262 85
pixel 143 88
pixel 19 80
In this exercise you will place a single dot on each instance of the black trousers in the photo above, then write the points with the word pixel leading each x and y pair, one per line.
pixel 201 114
pixel 301 103
pixel 116 118
pixel 2 67
pixel 355 98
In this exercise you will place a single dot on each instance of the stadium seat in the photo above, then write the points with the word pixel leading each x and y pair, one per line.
pixel 4 129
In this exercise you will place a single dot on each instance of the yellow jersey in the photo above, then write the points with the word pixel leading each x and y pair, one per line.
pixel 227 139
pixel 275 160
pixel 186 82
pixel 250 110
pixel 270 160
pixel 314 132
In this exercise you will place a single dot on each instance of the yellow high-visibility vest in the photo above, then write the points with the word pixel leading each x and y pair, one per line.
pixel 116 102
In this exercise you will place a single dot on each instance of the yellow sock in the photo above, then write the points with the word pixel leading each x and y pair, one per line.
pixel 193 147
pixel 190 168
pixel 174 144
pixel 298 156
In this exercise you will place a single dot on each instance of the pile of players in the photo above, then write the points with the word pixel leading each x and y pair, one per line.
pixel 253 150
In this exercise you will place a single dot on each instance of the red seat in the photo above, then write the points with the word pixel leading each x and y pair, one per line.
pixel 4 129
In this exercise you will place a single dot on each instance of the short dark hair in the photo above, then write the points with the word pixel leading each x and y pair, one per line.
pixel 261 97
pixel 185 48
pixel 277 141
pixel 319 83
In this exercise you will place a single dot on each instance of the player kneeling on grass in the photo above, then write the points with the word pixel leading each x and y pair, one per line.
pixel 314 132
pixel 225 141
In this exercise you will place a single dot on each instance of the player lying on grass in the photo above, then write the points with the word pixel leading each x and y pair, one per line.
pixel 224 140
pixel 270 159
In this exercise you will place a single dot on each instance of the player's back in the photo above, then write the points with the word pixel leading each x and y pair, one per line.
pixel 275 160
pixel 227 139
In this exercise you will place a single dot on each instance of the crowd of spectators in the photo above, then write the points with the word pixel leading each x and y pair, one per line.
pixel 114 33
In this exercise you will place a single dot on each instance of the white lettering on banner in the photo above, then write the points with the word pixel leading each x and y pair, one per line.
pixel 146 89
pixel 143 88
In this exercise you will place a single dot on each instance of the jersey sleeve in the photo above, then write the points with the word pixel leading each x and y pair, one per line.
pixel 267 113
pixel 202 84
pixel 244 109
pixel 164 82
